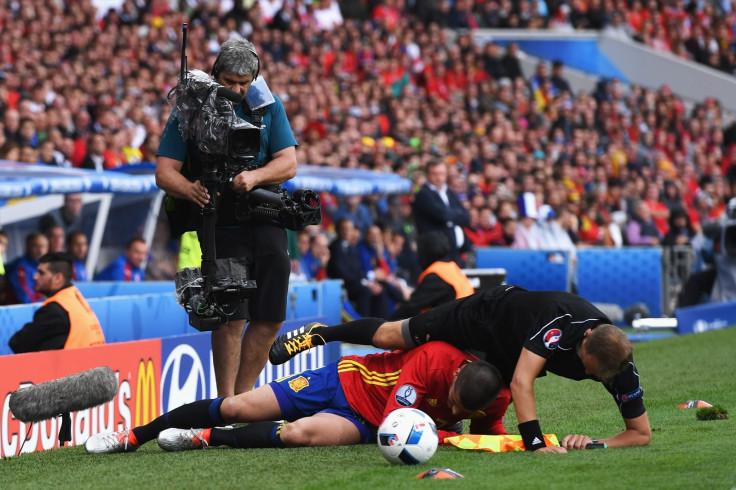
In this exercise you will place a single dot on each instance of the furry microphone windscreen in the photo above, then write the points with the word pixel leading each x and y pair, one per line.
pixel 69 394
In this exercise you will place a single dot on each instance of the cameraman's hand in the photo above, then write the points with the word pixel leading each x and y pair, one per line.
pixel 244 182
pixel 197 193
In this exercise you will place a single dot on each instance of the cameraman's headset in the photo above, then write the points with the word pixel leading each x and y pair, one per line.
pixel 216 71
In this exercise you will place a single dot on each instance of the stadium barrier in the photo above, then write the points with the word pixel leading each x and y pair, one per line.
pixel 536 270
pixel 154 376
pixel 702 318
pixel 145 314
pixel 623 276
pixel 104 289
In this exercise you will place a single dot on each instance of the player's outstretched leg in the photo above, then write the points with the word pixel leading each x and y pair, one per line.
pixel 288 345
pixel 253 435
pixel 359 331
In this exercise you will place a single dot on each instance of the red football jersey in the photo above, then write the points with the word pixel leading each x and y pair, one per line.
pixel 377 384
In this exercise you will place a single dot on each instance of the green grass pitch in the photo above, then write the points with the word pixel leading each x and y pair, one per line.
pixel 684 453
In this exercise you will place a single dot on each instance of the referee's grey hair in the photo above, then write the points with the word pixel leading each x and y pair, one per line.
pixel 237 56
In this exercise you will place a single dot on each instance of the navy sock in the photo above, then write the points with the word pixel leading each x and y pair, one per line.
pixel 255 435
pixel 355 332
pixel 199 414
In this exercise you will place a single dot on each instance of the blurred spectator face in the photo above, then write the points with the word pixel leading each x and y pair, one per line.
pixel 303 242
pixel 97 144
pixel 55 234
pixel 353 202
pixel 396 244
pixel 37 247
pixel 345 229
pixel 28 154
pixel 11 120
pixel 509 227
pixel 11 152
pixel 72 206
pixel 78 246
pixel 136 253
pixel 652 192
pixel 47 151
pixel 473 212
pixel 319 246
pixel 373 236
pixel 27 129
pixel 485 217
pixel 643 212
pixel 67 147
pixel 437 175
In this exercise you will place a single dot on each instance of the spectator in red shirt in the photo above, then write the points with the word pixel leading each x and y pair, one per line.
pixel 659 211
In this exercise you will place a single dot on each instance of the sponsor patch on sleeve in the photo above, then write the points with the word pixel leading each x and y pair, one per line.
pixel 552 338
pixel 406 395
pixel 626 397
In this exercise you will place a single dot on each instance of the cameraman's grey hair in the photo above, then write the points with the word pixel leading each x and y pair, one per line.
pixel 237 56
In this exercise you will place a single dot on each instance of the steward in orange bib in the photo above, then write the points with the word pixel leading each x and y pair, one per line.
pixel 65 320
pixel 441 281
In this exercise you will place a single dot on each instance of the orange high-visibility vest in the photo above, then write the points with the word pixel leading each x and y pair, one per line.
pixel 85 328
pixel 452 275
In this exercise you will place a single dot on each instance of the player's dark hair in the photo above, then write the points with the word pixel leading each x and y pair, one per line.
pixel 611 347
pixel 59 262
pixel 478 384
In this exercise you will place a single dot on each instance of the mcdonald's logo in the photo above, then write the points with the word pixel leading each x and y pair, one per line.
pixel 145 393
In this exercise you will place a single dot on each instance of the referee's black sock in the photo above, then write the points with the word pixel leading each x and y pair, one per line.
pixel 355 332
pixel 255 435
pixel 203 413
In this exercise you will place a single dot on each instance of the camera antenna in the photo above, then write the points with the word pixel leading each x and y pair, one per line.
pixel 183 70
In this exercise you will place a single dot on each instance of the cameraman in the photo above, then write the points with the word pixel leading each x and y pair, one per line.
pixel 239 358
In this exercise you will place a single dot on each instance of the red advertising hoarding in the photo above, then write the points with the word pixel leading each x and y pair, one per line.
pixel 137 365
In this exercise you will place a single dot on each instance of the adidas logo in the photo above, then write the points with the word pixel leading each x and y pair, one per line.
pixel 536 441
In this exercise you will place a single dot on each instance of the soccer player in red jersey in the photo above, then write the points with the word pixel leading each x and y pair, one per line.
pixel 340 404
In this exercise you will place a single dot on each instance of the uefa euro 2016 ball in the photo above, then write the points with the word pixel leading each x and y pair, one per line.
pixel 407 436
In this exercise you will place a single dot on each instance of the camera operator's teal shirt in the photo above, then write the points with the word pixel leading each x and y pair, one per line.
pixel 276 133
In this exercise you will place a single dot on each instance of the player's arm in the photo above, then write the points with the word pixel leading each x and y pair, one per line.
pixel 522 392
pixel 636 433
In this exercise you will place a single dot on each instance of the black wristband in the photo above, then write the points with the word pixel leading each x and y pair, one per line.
pixel 532 435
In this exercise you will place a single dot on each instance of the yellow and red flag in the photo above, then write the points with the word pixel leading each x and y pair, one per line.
pixel 494 444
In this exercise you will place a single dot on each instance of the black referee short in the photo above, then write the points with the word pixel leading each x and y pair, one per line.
pixel 265 249
pixel 465 323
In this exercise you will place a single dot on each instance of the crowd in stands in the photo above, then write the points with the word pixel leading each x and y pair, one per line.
pixel 377 85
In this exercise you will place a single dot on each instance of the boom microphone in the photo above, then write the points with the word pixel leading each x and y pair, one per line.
pixel 63 396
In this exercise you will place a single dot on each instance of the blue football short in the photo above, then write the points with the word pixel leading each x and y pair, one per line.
pixel 318 391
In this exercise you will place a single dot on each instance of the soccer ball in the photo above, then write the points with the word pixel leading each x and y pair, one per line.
pixel 407 436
